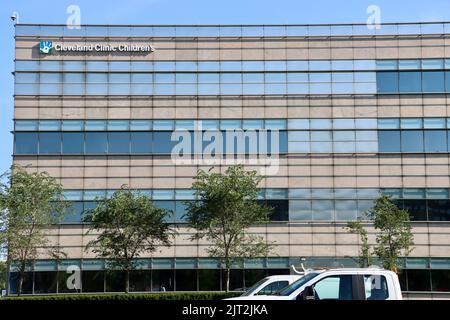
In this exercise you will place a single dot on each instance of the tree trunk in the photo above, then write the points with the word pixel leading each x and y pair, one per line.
pixel 127 281
pixel 227 279
pixel 19 288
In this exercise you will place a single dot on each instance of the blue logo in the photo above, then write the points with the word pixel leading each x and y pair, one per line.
pixel 46 47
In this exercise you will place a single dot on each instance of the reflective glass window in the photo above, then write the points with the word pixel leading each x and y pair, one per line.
pixel 73 142
pixel 410 81
pixel 141 142
pixel 346 210
pixel 433 81
pixel 96 142
pixel 26 143
pixel 49 143
pixel 323 210
pixel 435 141
pixel 389 141
pixel 387 82
pixel 118 142
pixel 412 141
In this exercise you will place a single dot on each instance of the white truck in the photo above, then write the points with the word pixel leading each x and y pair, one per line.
pixel 270 285
pixel 339 284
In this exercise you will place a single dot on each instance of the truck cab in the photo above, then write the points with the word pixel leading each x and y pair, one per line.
pixel 340 284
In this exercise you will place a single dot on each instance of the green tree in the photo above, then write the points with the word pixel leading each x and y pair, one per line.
pixel 365 258
pixel 31 203
pixel 394 238
pixel 128 224
pixel 3 275
pixel 227 205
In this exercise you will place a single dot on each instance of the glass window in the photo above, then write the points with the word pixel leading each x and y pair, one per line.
pixel 366 136
pixel 366 123
pixel 162 142
pixel 334 288
pixel 410 81
pixel 72 125
pixel 439 210
pixel 389 141
pixel 376 287
pixel 388 123
pixel 141 142
pixel 97 66
pixel 140 125
pixel 344 135
pixel 433 81
pixel 432 64
pixel 301 124
pixel 434 123
pixel 440 280
pixel 343 123
pixel 93 281
pixel 417 209
pixel 275 65
pixel 320 124
pixel 386 64
pixel 300 210
pixel 319 65
pixel 96 142
pixel 323 210
pixel 118 125
pixel 49 143
pixel 45 282
pixel 26 125
pixel 118 142
pixel 26 143
pixel 411 123
pixel 49 125
pixel 252 65
pixel 447 81
pixel 387 82
pixel 73 142
pixel 209 280
pixel 418 280
pixel 435 141
pixel 412 141
pixel 346 210
pixel 409 64
pixel 95 125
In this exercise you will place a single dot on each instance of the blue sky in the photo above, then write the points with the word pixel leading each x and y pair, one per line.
pixel 189 12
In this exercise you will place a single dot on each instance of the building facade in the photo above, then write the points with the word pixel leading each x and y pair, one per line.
pixel 356 112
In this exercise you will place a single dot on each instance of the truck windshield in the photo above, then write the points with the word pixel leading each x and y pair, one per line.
pixel 254 287
pixel 297 284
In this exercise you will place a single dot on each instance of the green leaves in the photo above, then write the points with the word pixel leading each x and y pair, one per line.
pixel 128 224
pixel 394 237
pixel 30 203
pixel 227 206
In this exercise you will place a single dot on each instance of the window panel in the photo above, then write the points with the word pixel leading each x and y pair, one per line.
pixel 412 141
pixel 141 142
pixel 346 210
pixel 433 81
pixel 49 143
pixel 323 210
pixel 162 142
pixel 119 142
pixel 410 82
pixel 387 82
pixel 435 141
pixel 73 143
pixel 96 142
pixel 26 143
pixel 389 141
